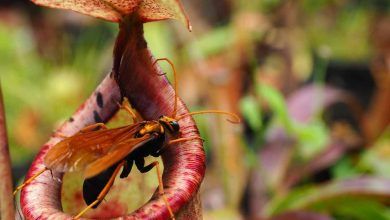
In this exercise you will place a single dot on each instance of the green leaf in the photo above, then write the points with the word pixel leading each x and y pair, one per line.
pixel 277 104
pixel 214 42
pixel 312 137
pixel 320 197
pixel 252 112
pixel 355 208
pixel 344 169
pixel 377 158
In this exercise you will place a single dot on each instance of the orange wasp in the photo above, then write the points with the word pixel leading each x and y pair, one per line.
pixel 101 152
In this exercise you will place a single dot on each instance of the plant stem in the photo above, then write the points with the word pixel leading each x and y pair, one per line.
pixel 7 210
pixel 151 94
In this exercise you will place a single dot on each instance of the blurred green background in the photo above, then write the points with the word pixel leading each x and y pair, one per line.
pixel 309 78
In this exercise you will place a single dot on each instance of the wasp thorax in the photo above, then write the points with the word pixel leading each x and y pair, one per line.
pixel 149 128
pixel 170 124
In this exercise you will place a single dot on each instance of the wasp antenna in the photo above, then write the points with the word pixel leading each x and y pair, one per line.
pixel 175 81
pixel 30 180
pixel 236 120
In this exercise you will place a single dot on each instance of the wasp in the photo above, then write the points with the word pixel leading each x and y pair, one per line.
pixel 101 153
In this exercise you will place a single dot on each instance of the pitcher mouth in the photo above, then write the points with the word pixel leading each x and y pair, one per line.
pixel 184 166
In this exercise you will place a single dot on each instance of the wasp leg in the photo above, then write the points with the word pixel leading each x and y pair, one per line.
pixel 93 186
pixel 184 139
pixel 158 153
pixel 127 168
pixel 29 180
pixel 126 106
pixel 93 127
pixel 140 163
pixel 104 192
pixel 60 135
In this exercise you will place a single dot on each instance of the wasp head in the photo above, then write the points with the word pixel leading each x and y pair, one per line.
pixel 170 124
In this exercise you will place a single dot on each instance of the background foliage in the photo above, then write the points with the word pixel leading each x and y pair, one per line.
pixel 310 79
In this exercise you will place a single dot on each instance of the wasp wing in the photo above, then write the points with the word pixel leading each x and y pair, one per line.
pixel 112 157
pixel 76 152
